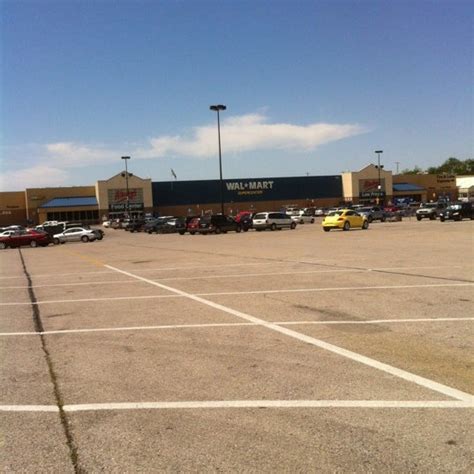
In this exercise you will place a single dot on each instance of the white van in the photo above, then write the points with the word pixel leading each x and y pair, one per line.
pixel 272 221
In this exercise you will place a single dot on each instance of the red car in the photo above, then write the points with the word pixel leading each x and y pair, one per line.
pixel 20 238
pixel 193 225
pixel 243 215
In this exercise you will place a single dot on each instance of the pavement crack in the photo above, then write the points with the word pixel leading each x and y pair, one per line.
pixel 38 325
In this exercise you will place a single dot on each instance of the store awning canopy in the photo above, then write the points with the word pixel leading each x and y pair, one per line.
pixel 71 202
pixel 407 188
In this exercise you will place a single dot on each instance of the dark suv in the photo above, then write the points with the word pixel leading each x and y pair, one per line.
pixel 218 224
pixel 457 211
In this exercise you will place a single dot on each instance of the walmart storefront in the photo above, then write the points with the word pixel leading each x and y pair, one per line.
pixel 112 197
pixel 255 194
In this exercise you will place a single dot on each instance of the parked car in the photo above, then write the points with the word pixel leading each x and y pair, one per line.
pixel 136 225
pixel 23 237
pixel 218 224
pixel 75 234
pixel 160 226
pixel 246 222
pixel 319 212
pixel 457 211
pixel 303 217
pixel 430 210
pixel 192 226
pixel 344 219
pixel 6 233
pixel 242 215
pixel 373 213
pixel 272 221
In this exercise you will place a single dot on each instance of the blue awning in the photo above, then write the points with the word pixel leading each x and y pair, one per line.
pixel 71 202
pixel 407 187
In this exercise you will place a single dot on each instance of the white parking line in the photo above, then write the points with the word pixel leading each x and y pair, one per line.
pixel 217 325
pixel 85 300
pixel 248 292
pixel 268 404
pixel 83 283
pixel 422 381
pixel 199 267
pixel 23 408
pixel 227 404
pixel 339 288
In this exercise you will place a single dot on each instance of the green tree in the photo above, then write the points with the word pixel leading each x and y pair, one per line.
pixel 415 170
pixel 454 166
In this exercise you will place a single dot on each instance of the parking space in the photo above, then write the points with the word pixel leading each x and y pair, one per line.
pixel 255 351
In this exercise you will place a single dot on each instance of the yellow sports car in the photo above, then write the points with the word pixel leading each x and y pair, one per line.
pixel 344 219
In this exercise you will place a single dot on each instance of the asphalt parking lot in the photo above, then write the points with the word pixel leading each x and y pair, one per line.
pixel 258 352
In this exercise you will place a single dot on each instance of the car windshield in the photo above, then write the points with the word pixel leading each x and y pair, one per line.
pixel 429 205
pixel 260 216
pixel 335 213
pixel 364 209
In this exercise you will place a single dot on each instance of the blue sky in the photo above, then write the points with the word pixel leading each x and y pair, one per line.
pixel 310 87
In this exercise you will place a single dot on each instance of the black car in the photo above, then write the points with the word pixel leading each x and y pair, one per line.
pixel 246 222
pixel 136 225
pixel 218 224
pixel 159 226
pixel 457 211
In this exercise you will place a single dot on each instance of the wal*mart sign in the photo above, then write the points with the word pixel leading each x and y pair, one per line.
pixel 249 187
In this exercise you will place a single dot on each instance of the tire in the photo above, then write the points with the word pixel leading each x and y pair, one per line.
pixel 192 233
pixel 33 244
pixel 84 238
pixel 182 232
pixel 217 231
pixel 56 241
pixel 326 229
pixel 365 225
pixel 3 245
pixel 418 218
pixel 442 219
pixel 301 221
pixel 273 226
pixel 246 229
pixel 382 219
pixel 347 226
pixel 293 226
pixel 239 229
pixel 312 221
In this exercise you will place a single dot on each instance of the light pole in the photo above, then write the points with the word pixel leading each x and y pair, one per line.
pixel 379 187
pixel 218 108
pixel 126 158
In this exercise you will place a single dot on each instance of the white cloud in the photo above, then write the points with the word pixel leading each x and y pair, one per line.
pixel 35 177
pixel 72 155
pixel 248 133
pixel 239 134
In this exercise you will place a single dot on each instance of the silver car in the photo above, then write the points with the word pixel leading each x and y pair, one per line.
pixel 75 234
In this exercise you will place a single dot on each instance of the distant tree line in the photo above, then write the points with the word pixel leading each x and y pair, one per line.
pixel 450 166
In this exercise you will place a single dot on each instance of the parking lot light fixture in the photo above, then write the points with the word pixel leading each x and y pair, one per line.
pixel 217 108
pixel 127 206
pixel 379 187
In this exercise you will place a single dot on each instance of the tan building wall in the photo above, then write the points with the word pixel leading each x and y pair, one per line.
pixel 12 208
pixel 436 185
pixel 363 185
pixel 112 194
pixel 35 197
